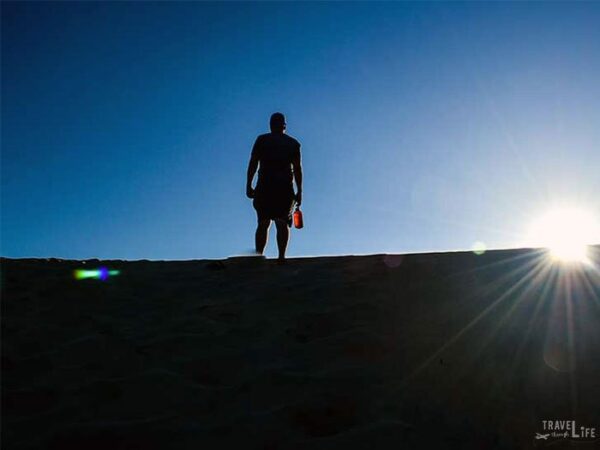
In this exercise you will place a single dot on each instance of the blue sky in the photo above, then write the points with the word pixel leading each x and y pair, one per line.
pixel 127 127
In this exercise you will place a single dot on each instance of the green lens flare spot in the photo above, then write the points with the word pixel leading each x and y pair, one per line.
pixel 479 248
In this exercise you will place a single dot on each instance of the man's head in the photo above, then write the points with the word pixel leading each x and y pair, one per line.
pixel 277 123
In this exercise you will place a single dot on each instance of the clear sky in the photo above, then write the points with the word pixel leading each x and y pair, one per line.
pixel 127 127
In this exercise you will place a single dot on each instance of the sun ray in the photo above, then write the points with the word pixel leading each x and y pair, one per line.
pixel 526 277
pixel 528 283
pixel 550 275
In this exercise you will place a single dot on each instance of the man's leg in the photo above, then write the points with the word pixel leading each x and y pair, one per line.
pixel 261 236
pixel 283 235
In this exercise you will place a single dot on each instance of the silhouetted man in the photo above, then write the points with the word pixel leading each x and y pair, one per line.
pixel 279 158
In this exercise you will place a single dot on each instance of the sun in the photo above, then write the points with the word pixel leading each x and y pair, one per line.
pixel 566 233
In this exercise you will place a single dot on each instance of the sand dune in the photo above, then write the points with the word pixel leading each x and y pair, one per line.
pixel 446 350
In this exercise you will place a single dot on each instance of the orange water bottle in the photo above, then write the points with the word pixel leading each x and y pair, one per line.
pixel 298 222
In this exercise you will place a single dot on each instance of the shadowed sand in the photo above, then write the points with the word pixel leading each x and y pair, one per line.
pixel 446 350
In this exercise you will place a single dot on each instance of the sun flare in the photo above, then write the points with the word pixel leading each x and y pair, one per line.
pixel 566 233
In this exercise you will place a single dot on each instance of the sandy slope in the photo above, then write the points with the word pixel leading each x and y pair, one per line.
pixel 417 351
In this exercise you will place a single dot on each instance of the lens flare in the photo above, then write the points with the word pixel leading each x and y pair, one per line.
pixel 101 273
pixel 479 248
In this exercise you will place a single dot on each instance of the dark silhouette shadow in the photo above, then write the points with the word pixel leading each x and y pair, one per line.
pixel 277 158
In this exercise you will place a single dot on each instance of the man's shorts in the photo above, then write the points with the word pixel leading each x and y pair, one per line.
pixel 274 204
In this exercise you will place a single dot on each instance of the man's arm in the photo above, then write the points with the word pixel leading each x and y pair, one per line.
pixel 252 167
pixel 297 165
